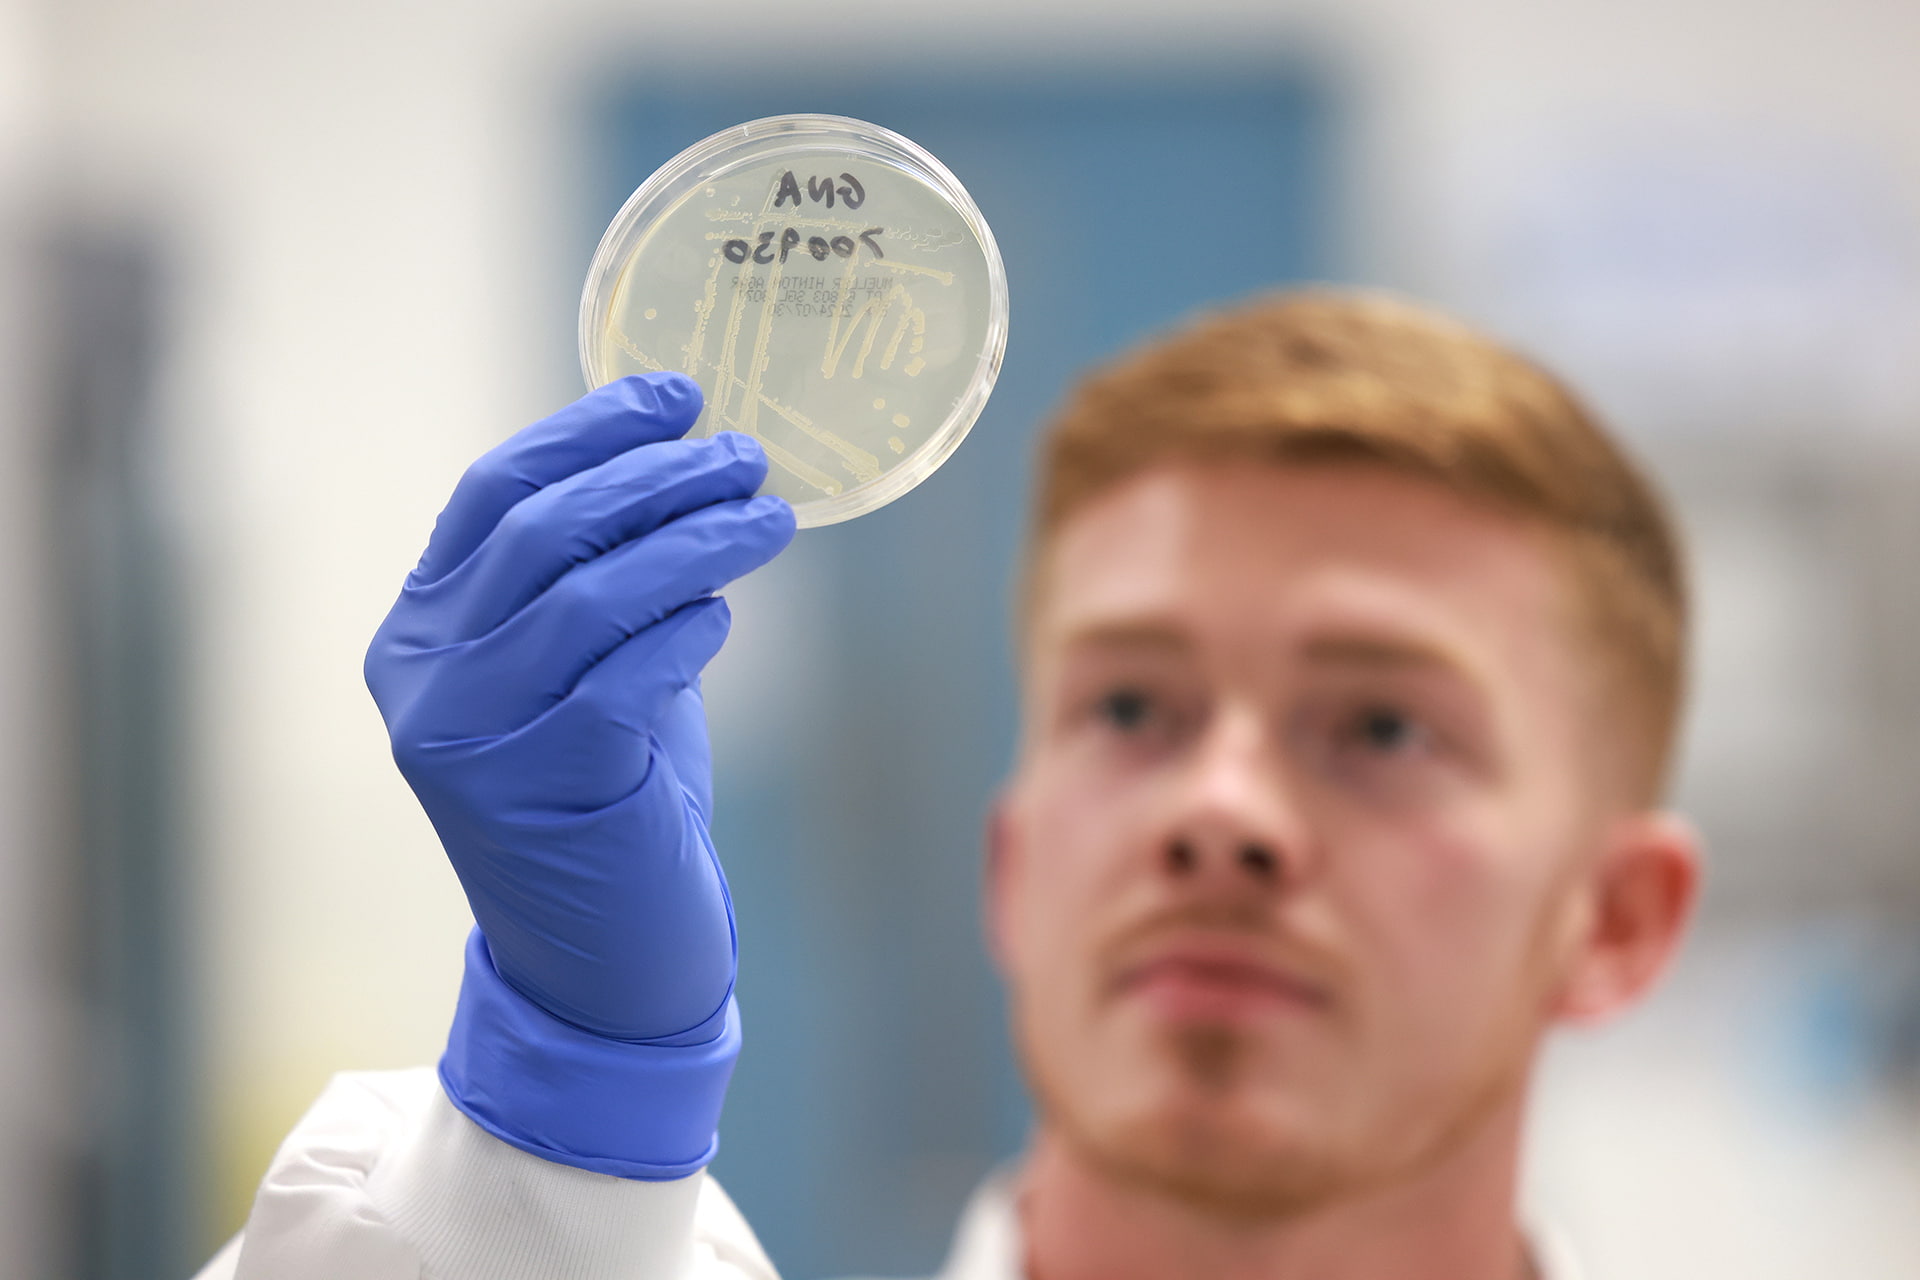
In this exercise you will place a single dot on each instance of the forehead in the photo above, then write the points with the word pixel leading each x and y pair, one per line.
pixel 1251 555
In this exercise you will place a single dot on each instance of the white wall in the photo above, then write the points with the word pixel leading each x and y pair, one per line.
pixel 373 200
pixel 36 1050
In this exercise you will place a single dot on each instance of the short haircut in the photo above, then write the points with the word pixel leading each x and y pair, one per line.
pixel 1328 376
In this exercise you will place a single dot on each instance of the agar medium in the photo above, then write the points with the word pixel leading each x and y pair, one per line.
pixel 831 287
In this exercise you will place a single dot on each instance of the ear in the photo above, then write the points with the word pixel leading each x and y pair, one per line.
pixel 1000 841
pixel 1641 894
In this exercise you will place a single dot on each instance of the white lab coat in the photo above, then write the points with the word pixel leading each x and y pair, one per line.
pixel 383 1179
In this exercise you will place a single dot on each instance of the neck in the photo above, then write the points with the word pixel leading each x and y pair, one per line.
pixel 1453 1218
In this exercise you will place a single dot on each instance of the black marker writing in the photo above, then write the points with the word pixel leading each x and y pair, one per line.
pixel 766 249
pixel 820 191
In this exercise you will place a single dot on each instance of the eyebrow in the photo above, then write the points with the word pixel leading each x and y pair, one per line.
pixel 1392 654
pixel 1375 651
pixel 1160 636
pixel 1337 649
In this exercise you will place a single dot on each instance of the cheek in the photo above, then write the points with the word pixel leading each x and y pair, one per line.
pixel 1038 893
pixel 1451 912
pixel 1066 856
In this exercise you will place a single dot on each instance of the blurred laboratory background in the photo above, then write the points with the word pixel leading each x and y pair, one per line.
pixel 272 273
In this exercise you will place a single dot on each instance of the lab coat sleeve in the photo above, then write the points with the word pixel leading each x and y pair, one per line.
pixel 383 1179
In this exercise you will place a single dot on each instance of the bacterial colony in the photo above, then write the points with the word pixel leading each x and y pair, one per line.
pixel 835 308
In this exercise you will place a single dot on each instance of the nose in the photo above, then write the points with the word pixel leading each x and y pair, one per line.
pixel 1254 859
pixel 1233 823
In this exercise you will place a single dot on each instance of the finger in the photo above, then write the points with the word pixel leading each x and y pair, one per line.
pixel 583 517
pixel 622 415
pixel 500 681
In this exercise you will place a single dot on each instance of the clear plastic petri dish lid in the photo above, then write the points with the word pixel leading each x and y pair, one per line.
pixel 831 287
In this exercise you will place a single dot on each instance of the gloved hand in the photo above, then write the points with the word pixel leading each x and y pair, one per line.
pixel 539 677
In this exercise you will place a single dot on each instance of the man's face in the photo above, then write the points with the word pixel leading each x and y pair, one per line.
pixel 1291 866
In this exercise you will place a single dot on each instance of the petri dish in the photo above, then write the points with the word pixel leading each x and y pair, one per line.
pixel 831 287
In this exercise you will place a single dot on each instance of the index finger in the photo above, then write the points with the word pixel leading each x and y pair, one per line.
pixel 624 414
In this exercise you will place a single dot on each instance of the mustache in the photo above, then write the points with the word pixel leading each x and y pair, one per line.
pixel 1247 923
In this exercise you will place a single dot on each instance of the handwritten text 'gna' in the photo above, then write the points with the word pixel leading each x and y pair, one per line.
pixel 820 191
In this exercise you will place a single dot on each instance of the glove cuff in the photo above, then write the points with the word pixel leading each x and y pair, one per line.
pixel 630 1109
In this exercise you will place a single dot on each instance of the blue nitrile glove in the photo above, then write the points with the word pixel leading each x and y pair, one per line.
pixel 539 677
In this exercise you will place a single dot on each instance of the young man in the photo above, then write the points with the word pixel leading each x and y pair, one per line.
pixel 1352 655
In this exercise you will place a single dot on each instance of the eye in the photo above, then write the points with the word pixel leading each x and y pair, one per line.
pixel 1387 749
pixel 1386 730
pixel 1382 732
pixel 1124 708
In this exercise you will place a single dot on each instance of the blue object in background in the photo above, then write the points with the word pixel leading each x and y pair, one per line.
pixel 877 1083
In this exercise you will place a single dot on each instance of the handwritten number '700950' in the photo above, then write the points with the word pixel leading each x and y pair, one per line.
pixel 819 246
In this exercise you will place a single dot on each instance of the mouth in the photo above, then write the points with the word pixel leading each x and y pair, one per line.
pixel 1214 981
